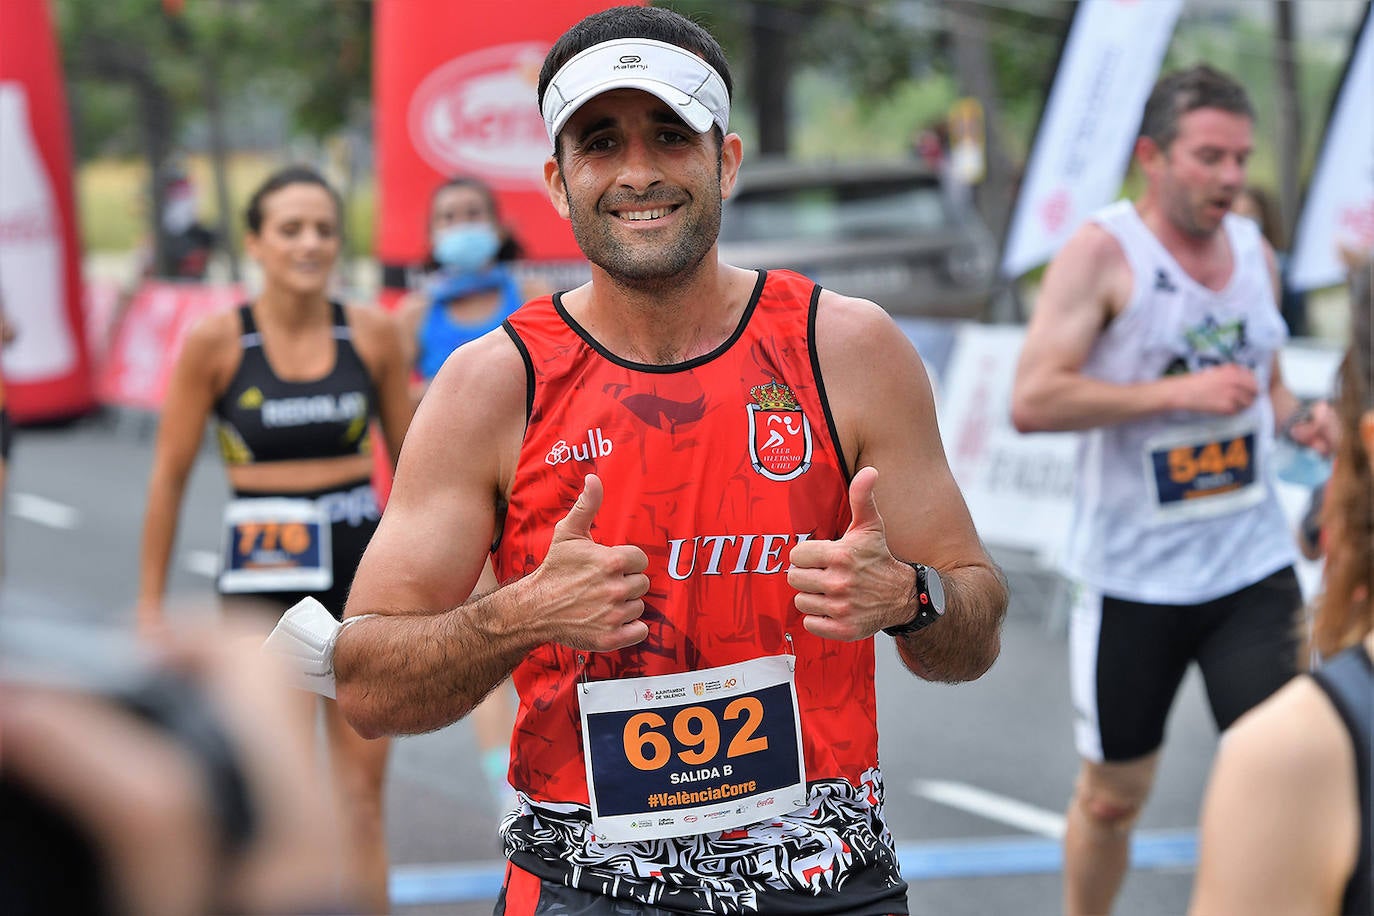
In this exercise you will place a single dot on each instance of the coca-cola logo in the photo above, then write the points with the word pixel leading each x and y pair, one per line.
pixel 33 226
pixel 478 114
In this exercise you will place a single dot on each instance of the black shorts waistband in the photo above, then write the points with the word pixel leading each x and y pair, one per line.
pixel 336 489
pixel 353 503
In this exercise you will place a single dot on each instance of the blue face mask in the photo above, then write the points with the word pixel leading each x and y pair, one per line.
pixel 466 248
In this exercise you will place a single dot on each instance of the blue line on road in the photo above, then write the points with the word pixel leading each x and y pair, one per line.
pixel 416 885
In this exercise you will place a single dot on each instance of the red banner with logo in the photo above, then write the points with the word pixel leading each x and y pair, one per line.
pixel 46 369
pixel 144 346
pixel 455 94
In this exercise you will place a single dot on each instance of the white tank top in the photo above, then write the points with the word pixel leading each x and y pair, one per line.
pixel 1180 507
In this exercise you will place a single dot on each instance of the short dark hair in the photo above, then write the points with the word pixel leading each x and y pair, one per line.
pixel 650 22
pixel 472 182
pixel 284 177
pixel 1182 91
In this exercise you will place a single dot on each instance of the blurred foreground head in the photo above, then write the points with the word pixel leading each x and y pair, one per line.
pixel 175 780
pixel 1347 608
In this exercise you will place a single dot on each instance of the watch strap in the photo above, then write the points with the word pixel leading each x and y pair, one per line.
pixel 926 613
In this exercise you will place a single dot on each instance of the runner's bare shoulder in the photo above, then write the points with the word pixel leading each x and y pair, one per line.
pixel 486 375
pixel 1091 270
pixel 212 348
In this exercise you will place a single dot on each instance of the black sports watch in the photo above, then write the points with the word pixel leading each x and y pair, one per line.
pixel 930 597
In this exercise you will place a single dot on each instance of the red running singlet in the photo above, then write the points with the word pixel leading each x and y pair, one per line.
pixel 716 468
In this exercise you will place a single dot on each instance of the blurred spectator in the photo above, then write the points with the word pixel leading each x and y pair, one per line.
pixel 178 784
pixel 189 243
pixel 295 380
pixel 1156 335
pixel 1288 819
pixel 186 247
pixel 1259 205
pixel 930 145
pixel 468 288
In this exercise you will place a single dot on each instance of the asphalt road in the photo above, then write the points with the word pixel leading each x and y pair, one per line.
pixel 978 774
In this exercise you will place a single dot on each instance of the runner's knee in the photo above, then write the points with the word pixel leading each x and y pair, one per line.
pixel 1108 809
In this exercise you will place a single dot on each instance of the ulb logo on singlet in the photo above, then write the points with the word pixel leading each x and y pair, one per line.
pixel 596 446
pixel 779 434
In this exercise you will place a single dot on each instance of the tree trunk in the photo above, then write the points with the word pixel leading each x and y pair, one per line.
pixel 770 74
pixel 155 122
pixel 993 198
pixel 1289 121
pixel 973 70
pixel 219 159
pixel 101 59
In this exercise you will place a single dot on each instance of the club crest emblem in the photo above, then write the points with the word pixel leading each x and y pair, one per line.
pixel 779 434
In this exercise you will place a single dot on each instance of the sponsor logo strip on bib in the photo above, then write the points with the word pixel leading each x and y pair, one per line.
pixel 702 751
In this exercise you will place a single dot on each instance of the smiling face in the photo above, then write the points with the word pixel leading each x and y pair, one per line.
pixel 299 240
pixel 642 189
pixel 1199 175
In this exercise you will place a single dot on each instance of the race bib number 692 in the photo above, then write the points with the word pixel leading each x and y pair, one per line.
pixel 689 753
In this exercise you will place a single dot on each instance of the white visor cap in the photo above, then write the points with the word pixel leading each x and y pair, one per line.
pixel 689 85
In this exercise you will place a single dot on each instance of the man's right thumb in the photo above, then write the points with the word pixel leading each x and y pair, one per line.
pixel 578 522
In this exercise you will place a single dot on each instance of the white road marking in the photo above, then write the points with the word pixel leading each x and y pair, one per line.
pixel 44 512
pixel 992 806
pixel 201 562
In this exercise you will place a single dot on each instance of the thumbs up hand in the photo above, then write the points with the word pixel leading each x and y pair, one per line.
pixel 589 595
pixel 851 588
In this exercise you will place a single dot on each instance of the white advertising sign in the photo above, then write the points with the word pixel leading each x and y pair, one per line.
pixel 1083 145
pixel 1339 208
pixel 1019 488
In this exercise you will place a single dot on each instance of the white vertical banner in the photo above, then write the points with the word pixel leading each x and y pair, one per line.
pixel 1338 210
pixel 1091 119
pixel 1018 488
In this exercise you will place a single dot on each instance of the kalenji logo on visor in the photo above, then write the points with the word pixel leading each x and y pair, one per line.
pixel 631 62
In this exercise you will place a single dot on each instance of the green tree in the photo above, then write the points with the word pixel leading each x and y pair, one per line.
pixel 152 65
pixel 1003 55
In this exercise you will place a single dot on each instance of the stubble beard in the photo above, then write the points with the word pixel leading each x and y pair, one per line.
pixel 1186 212
pixel 1186 216
pixel 646 267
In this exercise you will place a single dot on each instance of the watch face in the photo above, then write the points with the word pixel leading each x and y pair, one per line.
pixel 936 590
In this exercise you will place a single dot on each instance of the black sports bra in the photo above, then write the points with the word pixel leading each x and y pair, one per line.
pixel 263 418
pixel 1347 679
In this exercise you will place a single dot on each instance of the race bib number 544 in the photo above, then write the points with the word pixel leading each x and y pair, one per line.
pixel 1204 472
pixel 689 753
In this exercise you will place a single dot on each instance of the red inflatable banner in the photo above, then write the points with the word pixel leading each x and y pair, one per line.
pixel 454 91
pixel 46 370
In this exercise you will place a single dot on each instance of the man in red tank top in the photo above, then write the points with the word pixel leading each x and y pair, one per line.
pixel 680 466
